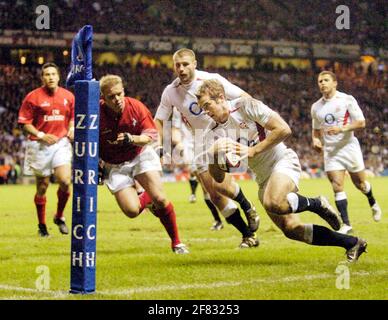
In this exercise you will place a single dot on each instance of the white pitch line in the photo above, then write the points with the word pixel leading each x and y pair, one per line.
pixel 230 283
pixel 128 292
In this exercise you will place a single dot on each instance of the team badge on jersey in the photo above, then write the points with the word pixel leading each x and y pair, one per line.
pixel 329 118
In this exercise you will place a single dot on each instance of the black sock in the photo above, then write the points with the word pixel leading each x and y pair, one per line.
pixel 323 236
pixel 371 199
pixel 237 221
pixel 193 184
pixel 310 204
pixel 342 206
pixel 244 203
pixel 213 210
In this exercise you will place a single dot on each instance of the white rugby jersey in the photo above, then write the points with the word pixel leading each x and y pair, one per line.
pixel 187 135
pixel 183 98
pixel 245 125
pixel 338 111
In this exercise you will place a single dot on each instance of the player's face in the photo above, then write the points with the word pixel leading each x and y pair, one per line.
pixel 184 67
pixel 50 78
pixel 326 84
pixel 216 109
pixel 114 97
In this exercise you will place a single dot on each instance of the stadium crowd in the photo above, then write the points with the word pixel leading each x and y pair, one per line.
pixel 289 92
pixel 249 19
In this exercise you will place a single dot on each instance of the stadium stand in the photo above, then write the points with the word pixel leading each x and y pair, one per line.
pixel 289 92
pixel 250 19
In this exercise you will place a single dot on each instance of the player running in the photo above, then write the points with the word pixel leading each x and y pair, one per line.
pixel 183 140
pixel 181 95
pixel 335 117
pixel 126 130
pixel 47 115
pixel 277 167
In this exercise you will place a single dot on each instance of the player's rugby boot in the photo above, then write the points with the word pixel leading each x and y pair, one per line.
pixel 61 225
pixel 180 249
pixel 253 218
pixel 329 214
pixel 217 225
pixel 355 252
pixel 43 230
pixel 376 212
pixel 249 242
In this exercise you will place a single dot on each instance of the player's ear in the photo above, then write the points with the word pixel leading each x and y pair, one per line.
pixel 195 63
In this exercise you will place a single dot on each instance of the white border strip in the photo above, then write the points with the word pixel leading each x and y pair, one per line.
pixel 128 292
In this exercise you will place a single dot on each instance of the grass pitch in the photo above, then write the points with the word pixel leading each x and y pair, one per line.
pixel 134 260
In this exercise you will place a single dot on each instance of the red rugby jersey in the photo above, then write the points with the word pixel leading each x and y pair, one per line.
pixel 48 112
pixel 135 119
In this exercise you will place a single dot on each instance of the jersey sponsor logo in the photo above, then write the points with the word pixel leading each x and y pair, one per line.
pixel 65 102
pixel 134 122
pixel 195 109
pixel 45 104
pixel 55 116
pixel 329 118
pixel 49 118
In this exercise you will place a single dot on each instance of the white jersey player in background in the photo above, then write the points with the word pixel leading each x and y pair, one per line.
pixel 335 116
pixel 277 167
pixel 183 142
pixel 181 95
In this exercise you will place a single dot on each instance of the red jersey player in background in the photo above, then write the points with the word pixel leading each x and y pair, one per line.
pixel 47 116
pixel 126 130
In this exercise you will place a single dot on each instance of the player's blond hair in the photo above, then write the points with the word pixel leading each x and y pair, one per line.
pixel 330 73
pixel 109 81
pixel 184 52
pixel 212 87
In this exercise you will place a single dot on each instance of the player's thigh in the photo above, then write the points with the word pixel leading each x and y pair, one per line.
pixel 358 179
pixel 227 187
pixel 208 182
pixel 128 201
pixel 276 190
pixel 152 184
pixel 204 190
pixel 336 178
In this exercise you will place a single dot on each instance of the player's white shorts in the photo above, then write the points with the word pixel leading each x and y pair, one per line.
pixel 121 176
pixel 40 159
pixel 349 158
pixel 288 164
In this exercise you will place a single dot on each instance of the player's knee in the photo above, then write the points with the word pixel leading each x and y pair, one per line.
pixel 42 188
pixel 215 197
pixel 65 183
pixel 131 212
pixel 360 185
pixel 291 231
pixel 277 206
pixel 160 201
pixel 337 185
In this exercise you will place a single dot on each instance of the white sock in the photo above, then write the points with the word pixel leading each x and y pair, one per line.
pixel 340 196
pixel 308 233
pixel 237 191
pixel 367 187
pixel 293 201
pixel 229 209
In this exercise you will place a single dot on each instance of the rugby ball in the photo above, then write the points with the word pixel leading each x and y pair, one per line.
pixel 229 161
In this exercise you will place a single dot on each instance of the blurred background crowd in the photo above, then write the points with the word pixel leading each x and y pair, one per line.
pixel 297 20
